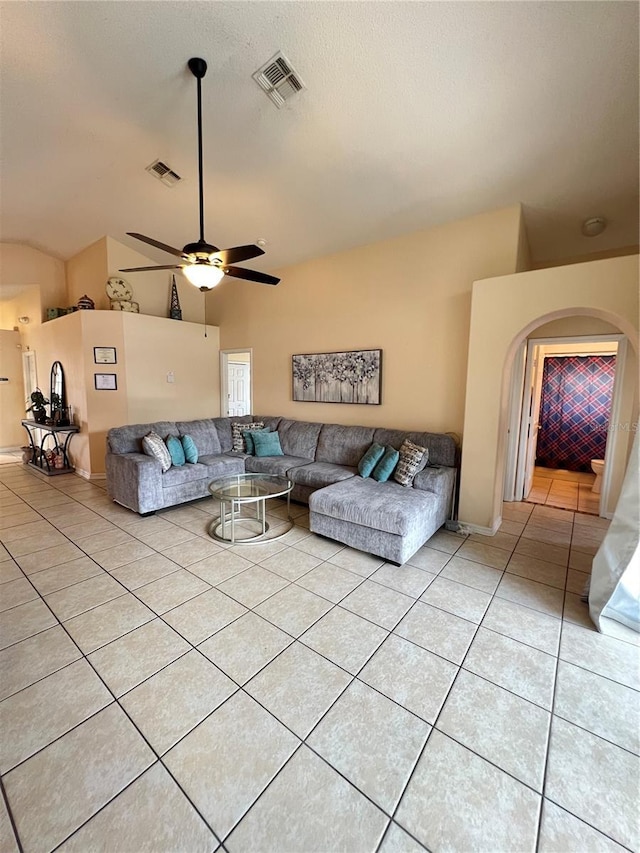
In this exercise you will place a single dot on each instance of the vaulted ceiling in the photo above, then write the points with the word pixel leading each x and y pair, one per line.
pixel 415 113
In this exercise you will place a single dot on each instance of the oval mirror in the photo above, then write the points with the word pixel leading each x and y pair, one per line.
pixel 57 391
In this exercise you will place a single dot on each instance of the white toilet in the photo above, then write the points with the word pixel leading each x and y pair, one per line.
pixel 597 466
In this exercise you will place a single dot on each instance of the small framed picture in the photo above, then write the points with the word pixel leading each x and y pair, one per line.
pixel 104 355
pixel 106 381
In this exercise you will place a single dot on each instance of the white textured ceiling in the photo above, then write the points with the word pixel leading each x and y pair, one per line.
pixel 415 113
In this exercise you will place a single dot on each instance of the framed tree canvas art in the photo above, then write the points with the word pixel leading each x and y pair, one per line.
pixel 338 377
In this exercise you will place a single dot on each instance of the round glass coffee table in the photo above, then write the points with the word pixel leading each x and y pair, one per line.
pixel 238 491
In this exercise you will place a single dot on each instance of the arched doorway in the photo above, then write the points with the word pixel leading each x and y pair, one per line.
pixel 573 347
pixel 505 310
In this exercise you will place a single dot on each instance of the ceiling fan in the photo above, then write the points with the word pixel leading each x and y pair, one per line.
pixel 203 264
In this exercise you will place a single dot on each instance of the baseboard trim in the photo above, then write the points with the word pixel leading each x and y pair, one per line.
pixel 467 527
pixel 87 475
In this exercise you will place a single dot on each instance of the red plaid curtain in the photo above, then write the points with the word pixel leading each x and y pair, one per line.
pixel 574 410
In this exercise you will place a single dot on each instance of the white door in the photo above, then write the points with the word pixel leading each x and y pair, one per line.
pixel 529 422
pixel 239 401
pixel 534 421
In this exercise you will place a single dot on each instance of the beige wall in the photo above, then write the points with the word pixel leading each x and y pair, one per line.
pixel 30 282
pixel 156 347
pixel 146 349
pixel 410 296
pixel 506 310
pixel 574 327
pixel 12 396
pixel 87 274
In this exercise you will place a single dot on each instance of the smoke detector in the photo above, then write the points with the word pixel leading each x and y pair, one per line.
pixel 163 173
pixel 278 79
pixel 594 226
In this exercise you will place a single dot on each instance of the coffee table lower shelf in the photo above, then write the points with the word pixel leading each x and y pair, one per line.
pixel 234 493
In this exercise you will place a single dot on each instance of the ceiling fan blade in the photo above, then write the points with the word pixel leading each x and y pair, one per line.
pixel 251 275
pixel 177 252
pixel 238 253
pixel 144 269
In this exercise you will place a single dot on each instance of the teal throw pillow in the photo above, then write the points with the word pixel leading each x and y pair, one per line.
pixel 267 443
pixel 247 434
pixel 370 459
pixel 176 451
pixel 386 466
pixel 190 449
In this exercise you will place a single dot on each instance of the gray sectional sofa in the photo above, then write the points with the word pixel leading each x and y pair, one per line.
pixel 386 519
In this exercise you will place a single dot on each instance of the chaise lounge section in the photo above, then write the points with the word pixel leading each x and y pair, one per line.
pixel 386 519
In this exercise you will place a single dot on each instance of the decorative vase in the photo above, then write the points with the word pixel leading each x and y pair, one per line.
pixel 86 302
pixel 40 416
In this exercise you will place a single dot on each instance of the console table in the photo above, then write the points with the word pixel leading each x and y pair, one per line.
pixel 60 437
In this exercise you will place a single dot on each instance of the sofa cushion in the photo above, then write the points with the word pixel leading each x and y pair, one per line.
pixel 278 465
pixel 343 445
pixel 370 459
pixel 270 421
pixel 218 465
pixel 386 466
pixel 237 438
pixel 381 506
pixel 442 448
pixel 317 475
pixel 299 438
pixel 184 474
pixel 189 448
pixel 153 445
pixel 128 439
pixel 247 434
pixel 176 450
pixel 267 443
pixel 204 434
pixel 413 458
pixel 223 428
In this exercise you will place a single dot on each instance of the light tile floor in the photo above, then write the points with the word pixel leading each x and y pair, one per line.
pixel 564 489
pixel 160 692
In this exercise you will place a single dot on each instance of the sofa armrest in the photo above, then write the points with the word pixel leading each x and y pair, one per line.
pixel 439 480
pixel 134 480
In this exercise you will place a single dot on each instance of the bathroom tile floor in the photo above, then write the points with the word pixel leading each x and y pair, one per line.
pixel 564 489
pixel 162 693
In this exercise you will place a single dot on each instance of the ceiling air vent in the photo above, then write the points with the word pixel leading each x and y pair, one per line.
pixel 278 79
pixel 163 173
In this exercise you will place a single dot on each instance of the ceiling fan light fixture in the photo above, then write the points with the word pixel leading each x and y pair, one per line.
pixel 203 275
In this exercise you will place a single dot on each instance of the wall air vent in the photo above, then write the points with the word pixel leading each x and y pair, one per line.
pixel 278 79
pixel 163 173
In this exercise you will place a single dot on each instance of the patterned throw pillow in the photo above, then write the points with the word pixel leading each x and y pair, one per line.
pixel 237 439
pixel 176 451
pixel 154 446
pixel 413 458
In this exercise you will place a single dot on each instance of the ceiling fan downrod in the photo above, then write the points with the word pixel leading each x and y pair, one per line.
pixel 198 68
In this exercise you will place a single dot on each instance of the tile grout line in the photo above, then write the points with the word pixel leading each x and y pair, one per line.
pixel 389 632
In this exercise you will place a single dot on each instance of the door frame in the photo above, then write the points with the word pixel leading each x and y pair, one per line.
pixel 226 355
pixel 518 421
